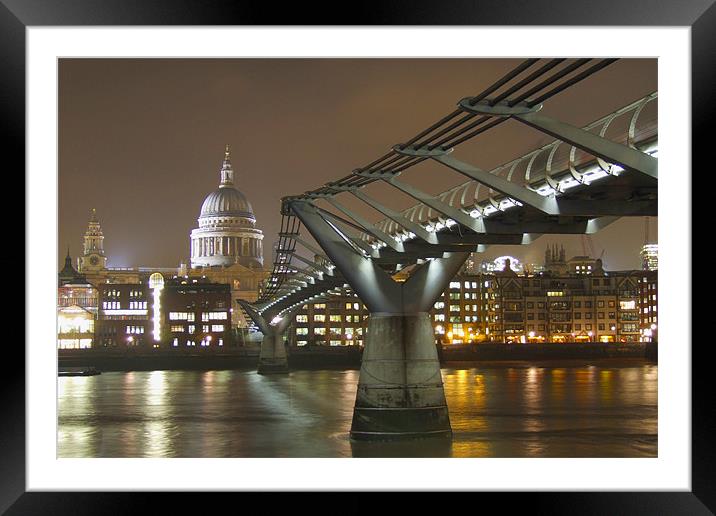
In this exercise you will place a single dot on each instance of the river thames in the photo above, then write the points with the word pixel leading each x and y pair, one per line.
pixel 570 408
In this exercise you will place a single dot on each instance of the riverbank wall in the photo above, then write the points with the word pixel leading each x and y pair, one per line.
pixel 343 357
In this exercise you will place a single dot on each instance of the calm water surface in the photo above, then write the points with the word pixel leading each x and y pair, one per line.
pixel 598 408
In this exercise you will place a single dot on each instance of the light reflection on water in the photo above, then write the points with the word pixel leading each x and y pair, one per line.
pixel 521 409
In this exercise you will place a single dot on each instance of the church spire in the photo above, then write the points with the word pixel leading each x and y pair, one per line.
pixel 227 172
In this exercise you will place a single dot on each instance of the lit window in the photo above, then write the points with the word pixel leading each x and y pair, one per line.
pixel 217 327
pixel 301 318
pixel 319 317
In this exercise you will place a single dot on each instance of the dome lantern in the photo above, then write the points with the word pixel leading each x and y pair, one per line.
pixel 227 171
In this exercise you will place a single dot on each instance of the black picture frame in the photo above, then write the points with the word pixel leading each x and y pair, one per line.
pixel 17 15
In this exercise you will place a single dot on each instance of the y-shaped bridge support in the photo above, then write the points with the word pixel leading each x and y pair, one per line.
pixel 272 357
pixel 400 389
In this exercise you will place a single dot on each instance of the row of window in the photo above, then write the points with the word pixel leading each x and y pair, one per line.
pixel 192 343
pixel 624 305
pixel 336 330
pixel 205 316
pixel 456 318
pixel 332 342
pixel 179 328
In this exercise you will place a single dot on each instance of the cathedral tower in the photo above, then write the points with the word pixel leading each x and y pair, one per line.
pixel 93 257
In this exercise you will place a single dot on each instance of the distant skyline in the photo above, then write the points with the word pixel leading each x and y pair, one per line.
pixel 141 140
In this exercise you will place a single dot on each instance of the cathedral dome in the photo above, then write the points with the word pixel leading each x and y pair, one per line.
pixel 227 201
pixel 227 232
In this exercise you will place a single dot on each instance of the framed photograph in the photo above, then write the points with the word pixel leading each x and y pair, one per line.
pixel 140 118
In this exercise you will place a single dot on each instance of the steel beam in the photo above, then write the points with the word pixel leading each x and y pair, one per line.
pixel 393 215
pixel 366 225
pixel 449 211
pixel 313 265
pixel 310 247
pixel 598 146
pixel 508 188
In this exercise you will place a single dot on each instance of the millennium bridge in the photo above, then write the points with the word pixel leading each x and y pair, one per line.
pixel 585 179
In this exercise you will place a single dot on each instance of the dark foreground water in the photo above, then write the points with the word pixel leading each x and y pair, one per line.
pixel 599 408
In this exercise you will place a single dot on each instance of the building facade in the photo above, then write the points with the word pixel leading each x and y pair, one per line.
pixel 650 257
pixel 196 313
pixel 585 304
pixel 161 313
pixel 341 321
pixel 76 315
pixel 123 318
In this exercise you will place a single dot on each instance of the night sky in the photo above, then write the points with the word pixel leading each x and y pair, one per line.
pixel 142 140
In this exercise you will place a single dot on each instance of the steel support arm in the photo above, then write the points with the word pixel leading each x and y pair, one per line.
pixel 544 204
pixel 366 225
pixel 313 265
pixel 310 247
pixel 439 206
pixel 373 285
pixel 255 316
pixel 393 215
pixel 606 149
pixel 424 286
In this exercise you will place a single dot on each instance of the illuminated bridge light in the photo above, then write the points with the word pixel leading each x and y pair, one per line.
pixel 569 183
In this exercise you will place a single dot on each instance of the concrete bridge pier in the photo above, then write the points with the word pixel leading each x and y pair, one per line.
pixel 400 390
pixel 272 355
